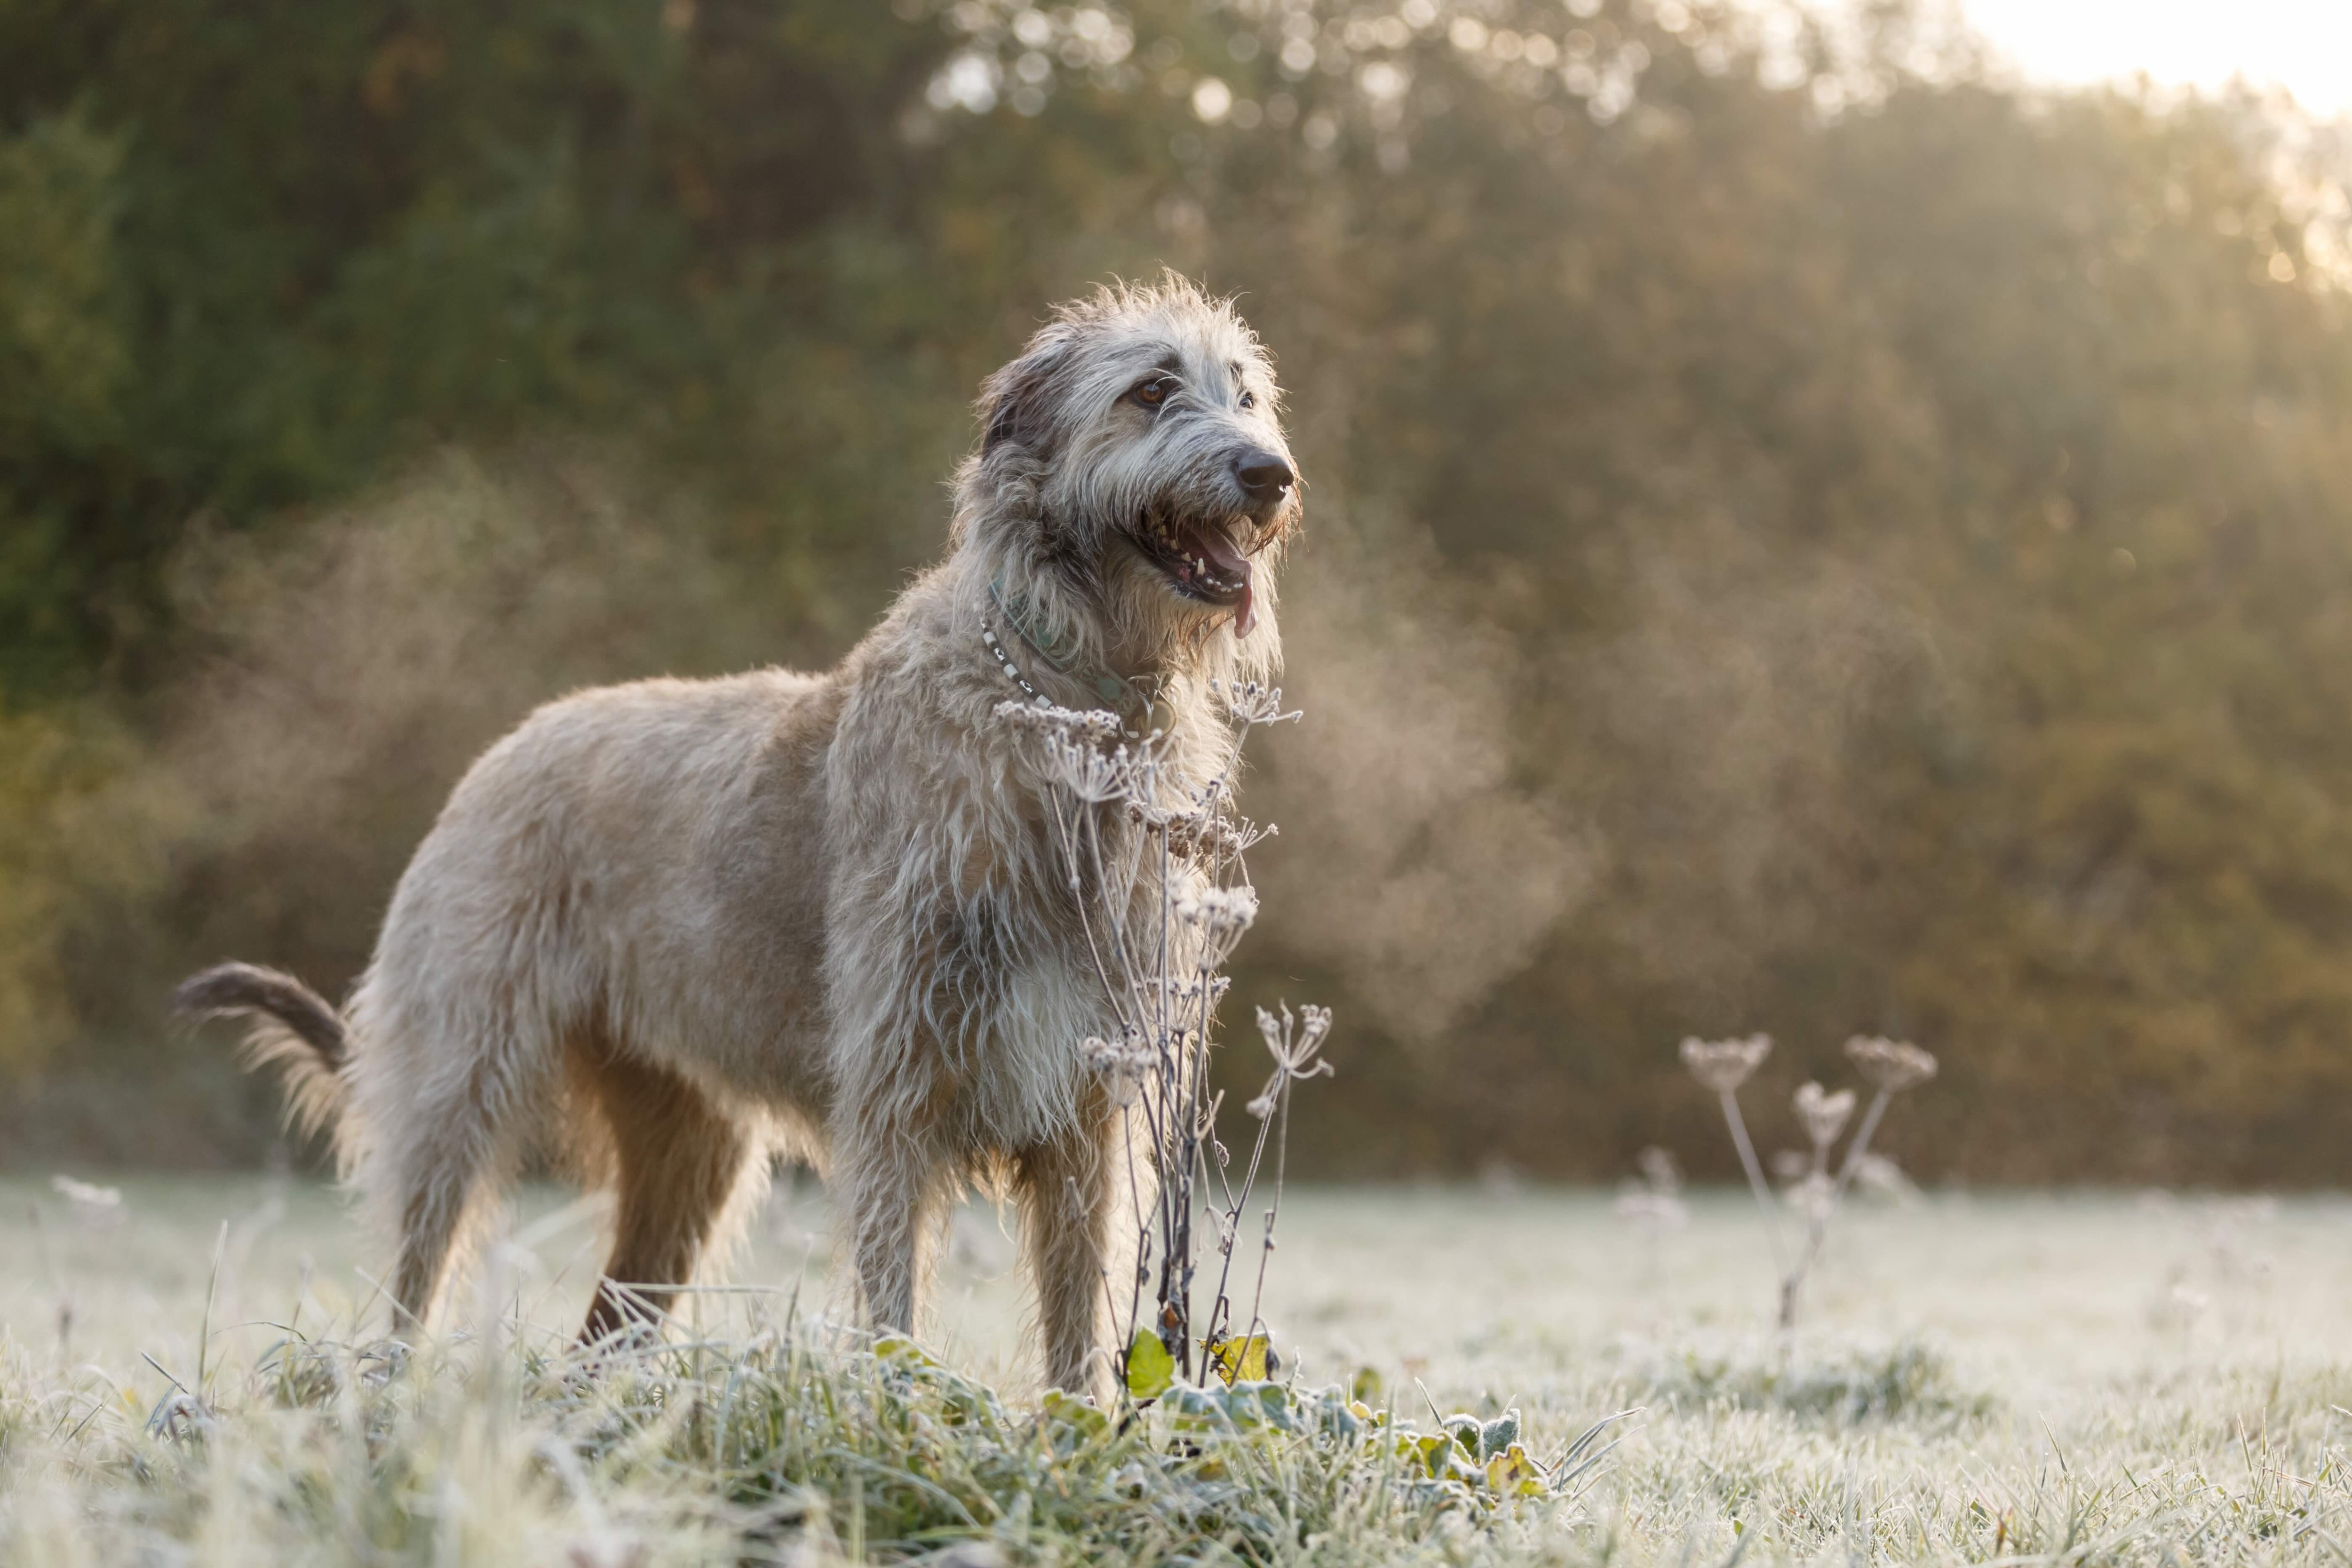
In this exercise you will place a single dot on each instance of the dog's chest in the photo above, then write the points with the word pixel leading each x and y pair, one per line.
pixel 1012 988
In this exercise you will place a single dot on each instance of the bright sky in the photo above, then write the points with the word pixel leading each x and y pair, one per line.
pixel 2303 46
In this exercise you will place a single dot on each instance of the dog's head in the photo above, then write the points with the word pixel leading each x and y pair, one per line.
pixel 1132 458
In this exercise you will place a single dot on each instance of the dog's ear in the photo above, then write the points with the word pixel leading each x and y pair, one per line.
pixel 1016 403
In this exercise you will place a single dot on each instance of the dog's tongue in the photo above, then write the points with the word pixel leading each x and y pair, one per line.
pixel 1218 546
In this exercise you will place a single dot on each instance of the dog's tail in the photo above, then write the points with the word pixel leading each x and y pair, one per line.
pixel 294 1030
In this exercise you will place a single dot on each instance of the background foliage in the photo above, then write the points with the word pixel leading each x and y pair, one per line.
pixel 1803 536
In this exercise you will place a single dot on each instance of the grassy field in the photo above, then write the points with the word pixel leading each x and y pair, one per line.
pixel 2133 1378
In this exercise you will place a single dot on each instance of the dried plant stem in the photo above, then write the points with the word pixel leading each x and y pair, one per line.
pixel 1794 1279
pixel 1861 1144
pixel 1817 1224
pixel 1765 1203
pixel 1238 1202
pixel 1281 1150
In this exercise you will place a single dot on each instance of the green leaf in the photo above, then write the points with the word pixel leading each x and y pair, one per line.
pixel 1260 1404
pixel 1150 1368
pixel 1498 1435
pixel 1193 1409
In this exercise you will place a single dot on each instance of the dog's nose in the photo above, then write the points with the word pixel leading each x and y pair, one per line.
pixel 1263 475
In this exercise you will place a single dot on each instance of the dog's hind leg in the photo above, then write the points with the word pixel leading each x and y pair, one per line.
pixel 442 1173
pixel 448 1084
pixel 683 1168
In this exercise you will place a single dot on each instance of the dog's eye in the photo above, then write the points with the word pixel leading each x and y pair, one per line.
pixel 1249 400
pixel 1154 392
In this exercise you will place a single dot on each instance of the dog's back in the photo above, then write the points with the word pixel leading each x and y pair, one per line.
pixel 643 863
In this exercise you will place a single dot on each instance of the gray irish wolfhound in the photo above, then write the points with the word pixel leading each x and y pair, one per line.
pixel 683 927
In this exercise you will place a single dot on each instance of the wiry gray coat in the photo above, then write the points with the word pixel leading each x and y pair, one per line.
pixel 685 925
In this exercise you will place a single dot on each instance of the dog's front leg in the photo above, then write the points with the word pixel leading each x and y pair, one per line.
pixel 888 1187
pixel 886 1201
pixel 1078 1225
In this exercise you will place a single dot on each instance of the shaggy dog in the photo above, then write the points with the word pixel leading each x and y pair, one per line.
pixel 686 926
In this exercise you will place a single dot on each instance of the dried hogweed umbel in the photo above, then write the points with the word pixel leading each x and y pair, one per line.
pixel 1892 1065
pixel 1723 1065
pixel 1823 1116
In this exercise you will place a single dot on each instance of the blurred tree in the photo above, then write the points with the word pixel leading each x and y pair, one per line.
pixel 1801 537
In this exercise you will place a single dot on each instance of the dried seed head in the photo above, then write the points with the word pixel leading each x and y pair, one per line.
pixel 1220 908
pixel 1217 917
pixel 1815 1197
pixel 1823 1114
pixel 1204 835
pixel 1122 1063
pixel 1882 1176
pixel 1723 1065
pixel 1251 702
pixel 1087 771
pixel 1659 1171
pixel 1180 996
pixel 1292 1041
pixel 1892 1065
pixel 1646 1205
pixel 1099 726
